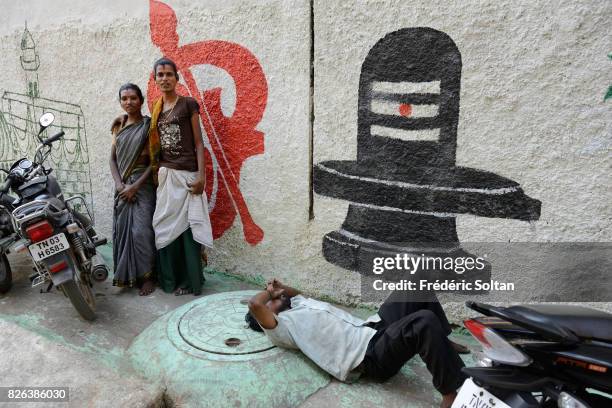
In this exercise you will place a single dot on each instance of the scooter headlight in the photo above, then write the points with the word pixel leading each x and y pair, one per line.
pixel 481 360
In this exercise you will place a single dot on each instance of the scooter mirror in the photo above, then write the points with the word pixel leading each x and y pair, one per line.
pixel 46 119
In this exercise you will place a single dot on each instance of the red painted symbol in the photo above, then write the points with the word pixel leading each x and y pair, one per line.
pixel 405 109
pixel 231 140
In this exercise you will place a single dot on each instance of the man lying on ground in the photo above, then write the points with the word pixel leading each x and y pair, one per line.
pixel 347 347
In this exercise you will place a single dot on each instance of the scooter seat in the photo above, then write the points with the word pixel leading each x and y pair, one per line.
pixel 580 321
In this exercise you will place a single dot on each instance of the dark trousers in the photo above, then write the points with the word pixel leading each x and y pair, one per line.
pixel 407 329
pixel 393 310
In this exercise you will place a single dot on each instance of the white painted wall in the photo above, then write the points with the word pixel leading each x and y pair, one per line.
pixel 532 109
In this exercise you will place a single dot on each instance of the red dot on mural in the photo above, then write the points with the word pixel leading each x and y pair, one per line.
pixel 405 109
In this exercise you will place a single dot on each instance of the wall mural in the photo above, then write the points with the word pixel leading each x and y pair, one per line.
pixel 229 140
pixel 19 126
pixel 404 189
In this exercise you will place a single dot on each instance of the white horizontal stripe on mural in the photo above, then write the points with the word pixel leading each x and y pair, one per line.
pixel 493 191
pixel 341 243
pixel 387 245
pixel 387 208
pixel 406 87
pixel 384 107
pixel 428 135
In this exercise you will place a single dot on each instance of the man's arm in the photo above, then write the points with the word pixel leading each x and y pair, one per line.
pixel 257 307
pixel 118 123
pixel 288 290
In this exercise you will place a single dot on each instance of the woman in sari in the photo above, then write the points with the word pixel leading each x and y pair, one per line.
pixel 133 237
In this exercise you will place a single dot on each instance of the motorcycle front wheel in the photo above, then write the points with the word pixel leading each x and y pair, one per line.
pixel 82 298
pixel 6 276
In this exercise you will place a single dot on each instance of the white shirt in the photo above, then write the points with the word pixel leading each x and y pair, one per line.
pixel 334 339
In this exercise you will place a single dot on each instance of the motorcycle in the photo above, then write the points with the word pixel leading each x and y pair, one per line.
pixel 7 238
pixel 60 240
pixel 545 355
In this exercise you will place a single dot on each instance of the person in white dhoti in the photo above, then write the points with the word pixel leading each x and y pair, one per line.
pixel 181 222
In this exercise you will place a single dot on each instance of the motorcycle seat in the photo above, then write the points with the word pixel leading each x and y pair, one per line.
pixel 565 320
pixel 7 201
pixel 56 203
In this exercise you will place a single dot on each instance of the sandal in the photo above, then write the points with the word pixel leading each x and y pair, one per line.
pixel 183 291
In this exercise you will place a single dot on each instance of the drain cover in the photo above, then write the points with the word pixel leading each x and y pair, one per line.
pixel 162 354
pixel 215 324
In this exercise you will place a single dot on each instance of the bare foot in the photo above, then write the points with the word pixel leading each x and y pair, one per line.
pixel 147 288
pixel 447 400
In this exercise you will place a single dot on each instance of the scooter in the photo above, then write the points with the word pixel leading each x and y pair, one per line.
pixel 545 355
pixel 60 240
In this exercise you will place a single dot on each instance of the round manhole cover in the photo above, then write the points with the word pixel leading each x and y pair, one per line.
pixel 216 325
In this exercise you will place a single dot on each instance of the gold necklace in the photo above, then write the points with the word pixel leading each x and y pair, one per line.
pixel 167 119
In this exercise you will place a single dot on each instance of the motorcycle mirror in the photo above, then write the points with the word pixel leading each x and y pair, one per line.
pixel 46 120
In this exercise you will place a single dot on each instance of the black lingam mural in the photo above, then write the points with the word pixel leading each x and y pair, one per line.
pixel 404 188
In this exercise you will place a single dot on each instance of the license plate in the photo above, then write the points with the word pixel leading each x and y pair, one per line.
pixel 473 396
pixel 49 247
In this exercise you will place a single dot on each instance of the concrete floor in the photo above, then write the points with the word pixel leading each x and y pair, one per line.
pixel 45 343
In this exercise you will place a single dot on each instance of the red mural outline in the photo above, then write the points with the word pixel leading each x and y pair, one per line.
pixel 232 139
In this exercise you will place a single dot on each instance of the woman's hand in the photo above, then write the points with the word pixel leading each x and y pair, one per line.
pixel 118 123
pixel 129 193
pixel 119 187
pixel 197 187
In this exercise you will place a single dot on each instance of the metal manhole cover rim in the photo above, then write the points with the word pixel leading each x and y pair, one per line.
pixel 237 353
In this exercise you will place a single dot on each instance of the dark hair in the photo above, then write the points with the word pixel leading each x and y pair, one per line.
pixel 165 61
pixel 253 324
pixel 133 87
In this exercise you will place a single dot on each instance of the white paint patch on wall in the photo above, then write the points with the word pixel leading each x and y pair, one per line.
pixel 428 135
pixel 209 77
pixel 406 87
